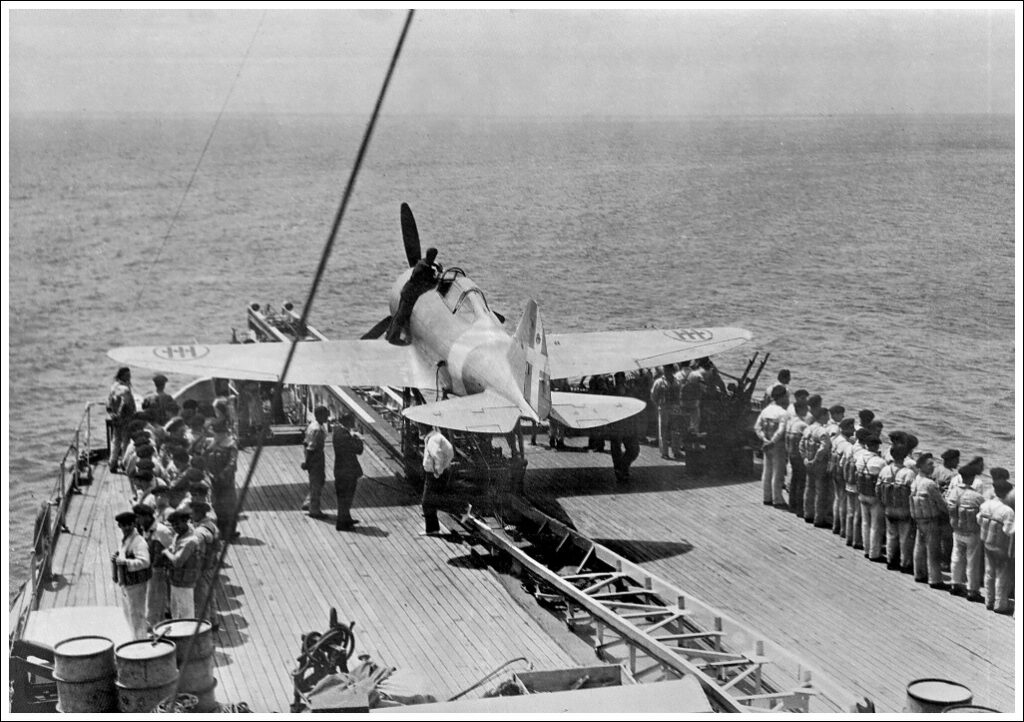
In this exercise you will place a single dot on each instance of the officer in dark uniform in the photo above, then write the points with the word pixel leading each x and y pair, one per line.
pixel 347 470
pixel 625 443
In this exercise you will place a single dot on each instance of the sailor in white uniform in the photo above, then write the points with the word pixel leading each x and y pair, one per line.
pixel 132 572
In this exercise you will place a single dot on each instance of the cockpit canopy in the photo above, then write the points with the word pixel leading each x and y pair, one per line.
pixel 462 297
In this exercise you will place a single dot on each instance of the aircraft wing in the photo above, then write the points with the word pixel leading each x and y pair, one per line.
pixel 573 355
pixel 342 363
pixel 585 411
pixel 482 413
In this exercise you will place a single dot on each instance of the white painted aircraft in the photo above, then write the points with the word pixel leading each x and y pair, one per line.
pixel 457 342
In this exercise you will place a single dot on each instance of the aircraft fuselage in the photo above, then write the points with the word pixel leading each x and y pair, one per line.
pixel 453 329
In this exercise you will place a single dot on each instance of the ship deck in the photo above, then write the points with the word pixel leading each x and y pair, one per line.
pixel 421 604
pixel 872 629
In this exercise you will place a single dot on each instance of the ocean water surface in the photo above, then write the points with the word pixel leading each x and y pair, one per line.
pixel 873 256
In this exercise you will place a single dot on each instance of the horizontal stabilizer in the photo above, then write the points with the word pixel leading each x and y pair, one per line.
pixel 585 411
pixel 483 413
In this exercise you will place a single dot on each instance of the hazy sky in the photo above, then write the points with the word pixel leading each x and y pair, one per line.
pixel 522 62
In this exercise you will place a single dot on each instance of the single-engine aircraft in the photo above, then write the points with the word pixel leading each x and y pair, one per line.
pixel 456 342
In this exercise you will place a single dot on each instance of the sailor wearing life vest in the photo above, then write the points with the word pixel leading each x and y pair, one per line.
pixel 837 491
pixel 795 427
pixel 968 475
pixel 943 476
pixel 893 490
pixel 869 466
pixel 784 378
pixel 205 529
pixel 968 556
pixel 928 508
pixel 185 561
pixel 691 390
pixel 132 573
pixel 813 404
pixel 221 458
pixel 996 522
pixel 841 445
pixel 159 501
pixel 816 448
pixel 771 430
pixel 848 467
pixel 807 452
pixel 665 397
pixel 158 537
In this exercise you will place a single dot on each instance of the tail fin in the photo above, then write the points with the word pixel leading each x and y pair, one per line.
pixel 528 357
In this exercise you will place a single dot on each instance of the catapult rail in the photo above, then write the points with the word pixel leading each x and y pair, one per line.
pixel 665 632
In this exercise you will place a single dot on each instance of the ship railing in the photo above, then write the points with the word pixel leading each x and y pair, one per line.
pixel 74 468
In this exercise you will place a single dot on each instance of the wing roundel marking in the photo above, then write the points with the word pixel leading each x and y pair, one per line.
pixel 180 352
pixel 690 335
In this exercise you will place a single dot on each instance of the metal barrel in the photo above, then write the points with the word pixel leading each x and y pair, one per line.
pixel 83 669
pixel 147 673
pixel 144 699
pixel 935 695
pixel 196 676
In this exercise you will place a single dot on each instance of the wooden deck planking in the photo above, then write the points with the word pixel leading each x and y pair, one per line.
pixel 279 573
pixel 450 622
pixel 798 585
pixel 70 555
pixel 258 680
pixel 318 564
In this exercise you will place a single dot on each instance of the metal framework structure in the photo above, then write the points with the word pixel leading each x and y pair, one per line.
pixel 658 630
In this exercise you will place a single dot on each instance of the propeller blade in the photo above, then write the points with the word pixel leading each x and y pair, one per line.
pixel 410 236
pixel 378 330
pixel 499 316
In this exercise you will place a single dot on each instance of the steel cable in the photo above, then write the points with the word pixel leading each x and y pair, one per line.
pixel 321 268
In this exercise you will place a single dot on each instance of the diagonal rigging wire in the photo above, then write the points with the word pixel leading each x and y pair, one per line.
pixel 206 146
pixel 321 267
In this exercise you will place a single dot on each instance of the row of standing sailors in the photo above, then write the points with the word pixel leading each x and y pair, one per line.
pixel 912 515
pixel 165 572
pixel 176 459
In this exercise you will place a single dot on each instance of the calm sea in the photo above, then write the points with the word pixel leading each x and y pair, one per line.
pixel 873 256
